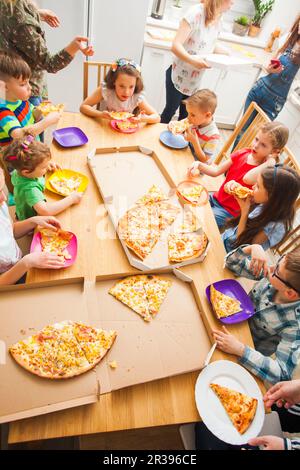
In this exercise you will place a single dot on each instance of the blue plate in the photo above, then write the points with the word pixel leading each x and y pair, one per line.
pixel 173 141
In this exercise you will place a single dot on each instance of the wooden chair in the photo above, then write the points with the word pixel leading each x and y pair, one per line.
pixel 101 69
pixel 290 241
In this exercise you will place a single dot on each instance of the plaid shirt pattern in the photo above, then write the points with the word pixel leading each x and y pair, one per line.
pixel 275 327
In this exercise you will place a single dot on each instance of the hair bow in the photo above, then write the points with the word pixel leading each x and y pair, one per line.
pixel 10 158
pixel 123 63
pixel 29 139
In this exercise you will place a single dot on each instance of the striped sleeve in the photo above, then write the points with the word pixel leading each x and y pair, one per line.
pixel 292 444
pixel 8 121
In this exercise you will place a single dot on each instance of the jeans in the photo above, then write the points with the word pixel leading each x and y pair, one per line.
pixel 267 100
pixel 36 100
pixel 173 100
pixel 220 213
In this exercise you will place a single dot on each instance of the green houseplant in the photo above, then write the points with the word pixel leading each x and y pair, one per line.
pixel 241 25
pixel 262 7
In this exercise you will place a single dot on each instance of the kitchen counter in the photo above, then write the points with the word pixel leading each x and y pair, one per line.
pixel 151 40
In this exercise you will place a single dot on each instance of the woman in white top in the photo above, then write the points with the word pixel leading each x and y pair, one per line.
pixel 12 265
pixel 197 35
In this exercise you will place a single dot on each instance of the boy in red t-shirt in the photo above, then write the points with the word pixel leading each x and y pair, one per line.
pixel 243 166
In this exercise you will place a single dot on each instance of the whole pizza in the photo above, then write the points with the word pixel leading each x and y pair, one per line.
pixel 63 350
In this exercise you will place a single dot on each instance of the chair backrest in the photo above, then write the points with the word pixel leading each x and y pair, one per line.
pixel 101 70
pixel 289 242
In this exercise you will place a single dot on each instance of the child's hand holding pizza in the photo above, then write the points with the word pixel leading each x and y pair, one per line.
pixel 53 166
pixel 227 342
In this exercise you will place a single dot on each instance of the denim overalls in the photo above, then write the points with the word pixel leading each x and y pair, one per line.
pixel 270 92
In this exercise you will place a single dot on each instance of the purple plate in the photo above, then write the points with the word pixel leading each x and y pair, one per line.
pixel 70 137
pixel 234 289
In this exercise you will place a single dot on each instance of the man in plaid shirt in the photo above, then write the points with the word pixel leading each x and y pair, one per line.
pixel 275 327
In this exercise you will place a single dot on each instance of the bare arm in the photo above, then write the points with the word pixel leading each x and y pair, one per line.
pixel 177 46
pixel 53 208
pixel 87 107
pixel 250 178
pixel 149 114
pixel 23 227
pixel 210 170
pixel 38 127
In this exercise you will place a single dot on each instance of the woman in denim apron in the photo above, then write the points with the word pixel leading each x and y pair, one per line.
pixel 270 92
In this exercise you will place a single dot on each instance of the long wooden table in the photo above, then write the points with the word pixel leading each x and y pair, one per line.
pixel 162 402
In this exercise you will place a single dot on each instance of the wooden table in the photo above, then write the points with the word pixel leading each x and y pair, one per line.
pixel 162 402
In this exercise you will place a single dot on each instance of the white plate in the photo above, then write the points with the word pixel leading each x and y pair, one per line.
pixel 231 375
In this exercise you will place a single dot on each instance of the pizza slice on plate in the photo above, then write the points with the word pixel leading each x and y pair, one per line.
pixel 64 185
pixel 223 304
pixel 240 408
pixel 120 115
pixel 240 191
pixel 192 194
pixel 126 125
pixel 56 242
pixel 184 246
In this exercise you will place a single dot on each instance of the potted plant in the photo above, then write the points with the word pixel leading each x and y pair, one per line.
pixel 241 26
pixel 262 7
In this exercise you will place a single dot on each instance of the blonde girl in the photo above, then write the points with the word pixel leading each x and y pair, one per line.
pixel 243 167
pixel 122 90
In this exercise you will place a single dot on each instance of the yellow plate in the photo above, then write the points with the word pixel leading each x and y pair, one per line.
pixel 68 174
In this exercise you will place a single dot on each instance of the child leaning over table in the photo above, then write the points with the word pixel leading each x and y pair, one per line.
pixel 203 134
pixel 275 326
pixel 30 161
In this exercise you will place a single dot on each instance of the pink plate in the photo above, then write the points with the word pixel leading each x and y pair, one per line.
pixel 113 124
pixel 72 247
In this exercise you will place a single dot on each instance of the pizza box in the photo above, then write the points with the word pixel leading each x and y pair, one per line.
pixel 174 342
pixel 122 176
pixel 143 351
pixel 226 62
pixel 26 309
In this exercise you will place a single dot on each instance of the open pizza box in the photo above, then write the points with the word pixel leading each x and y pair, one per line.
pixel 174 342
pixel 122 176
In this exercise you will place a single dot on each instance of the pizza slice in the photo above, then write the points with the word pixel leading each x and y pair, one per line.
pixel 130 291
pixel 94 342
pixel 223 304
pixel 179 127
pixel 65 186
pixel 240 408
pixel 56 242
pixel 153 195
pixel 184 246
pixel 46 107
pixel 193 194
pixel 240 191
pixel 156 290
pixel 126 125
pixel 120 115
pixel 52 353
pixel 167 213
pixel 189 224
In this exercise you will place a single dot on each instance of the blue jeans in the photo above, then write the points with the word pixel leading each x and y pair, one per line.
pixel 36 100
pixel 173 100
pixel 266 99
pixel 220 213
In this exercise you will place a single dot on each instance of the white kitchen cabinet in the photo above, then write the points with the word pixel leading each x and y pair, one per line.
pixel 154 65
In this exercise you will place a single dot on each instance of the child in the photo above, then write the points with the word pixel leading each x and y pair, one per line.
pixel 30 160
pixel 121 91
pixel 203 135
pixel 12 265
pixel 243 166
pixel 16 113
pixel 195 38
pixel 275 192
pixel 275 327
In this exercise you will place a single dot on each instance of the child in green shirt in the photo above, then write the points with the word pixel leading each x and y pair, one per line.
pixel 30 160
